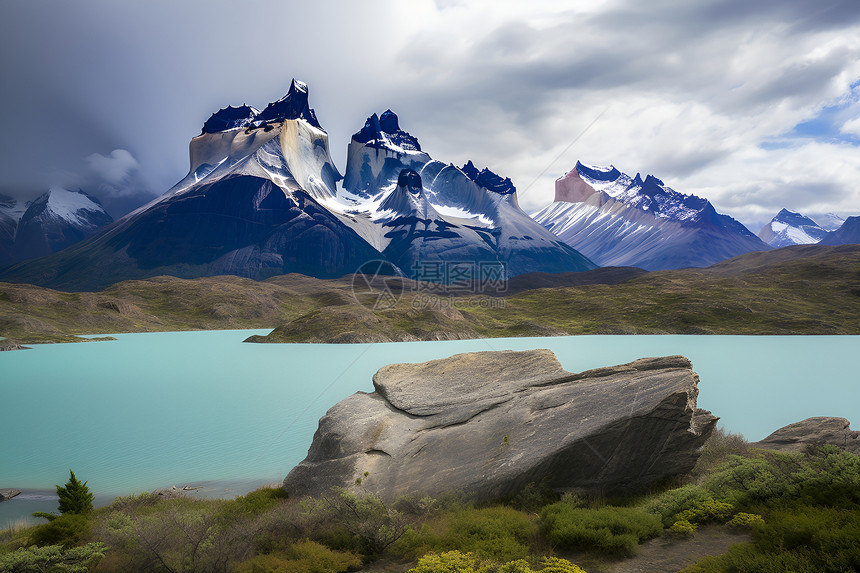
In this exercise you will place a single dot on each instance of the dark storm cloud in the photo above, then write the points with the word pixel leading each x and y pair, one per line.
pixel 93 76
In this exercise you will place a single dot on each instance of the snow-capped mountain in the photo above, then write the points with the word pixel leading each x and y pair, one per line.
pixel 830 221
pixel 789 228
pixel 261 198
pixel 479 207
pixel 56 220
pixel 618 220
pixel 847 234
pixel 47 224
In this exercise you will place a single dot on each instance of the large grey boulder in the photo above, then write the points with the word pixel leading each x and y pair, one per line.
pixel 486 424
pixel 814 431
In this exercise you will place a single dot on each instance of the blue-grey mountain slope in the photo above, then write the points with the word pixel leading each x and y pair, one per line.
pixel 847 234
pixel 618 220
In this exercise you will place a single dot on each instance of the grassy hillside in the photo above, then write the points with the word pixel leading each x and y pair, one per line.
pixel 796 290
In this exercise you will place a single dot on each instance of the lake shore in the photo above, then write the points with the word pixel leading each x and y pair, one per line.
pixel 18 510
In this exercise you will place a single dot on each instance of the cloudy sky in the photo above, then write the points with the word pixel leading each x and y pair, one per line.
pixel 754 105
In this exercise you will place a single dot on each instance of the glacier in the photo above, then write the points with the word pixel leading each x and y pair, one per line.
pixel 48 223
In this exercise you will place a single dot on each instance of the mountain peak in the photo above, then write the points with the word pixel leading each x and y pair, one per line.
pixel 488 179
pixel 388 122
pixel 230 118
pixel 294 105
pixel 790 228
pixel 384 132
pixel 599 173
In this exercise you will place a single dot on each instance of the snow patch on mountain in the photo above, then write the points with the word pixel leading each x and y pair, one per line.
pixel 72 206
pixel 789 228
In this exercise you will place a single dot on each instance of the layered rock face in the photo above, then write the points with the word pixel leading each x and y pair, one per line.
pixel 814 431
pixel 487 424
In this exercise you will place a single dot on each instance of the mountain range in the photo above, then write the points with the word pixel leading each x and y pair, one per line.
pixel 618 220
pixel 261 199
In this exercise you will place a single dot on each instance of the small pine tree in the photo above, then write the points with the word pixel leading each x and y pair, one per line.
pixel 75 497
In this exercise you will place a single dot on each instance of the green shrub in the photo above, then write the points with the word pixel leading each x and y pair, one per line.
pixel 459 562
pixel 801 539
pixel 66 530
pixel 742 481
pixel 53 558
pixel 670 503
pixel 258 501
pixel 450 562
pixel 499 533
pixel 705 511
pixel 302 557
pixel 824 475
pixel 746 520
pixel 556 565
pixel 683 528
pixel 608 530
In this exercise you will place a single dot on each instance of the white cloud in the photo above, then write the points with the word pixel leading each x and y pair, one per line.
pixel 116 168
pixel 851 127
pixel 686 92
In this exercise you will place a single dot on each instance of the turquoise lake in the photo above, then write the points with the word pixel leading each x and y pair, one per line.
pixel 202 408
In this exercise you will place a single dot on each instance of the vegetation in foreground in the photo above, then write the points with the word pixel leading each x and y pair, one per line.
pixel 796 290
pixel 803 512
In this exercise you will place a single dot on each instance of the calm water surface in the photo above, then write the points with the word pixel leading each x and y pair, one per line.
pixel 157 409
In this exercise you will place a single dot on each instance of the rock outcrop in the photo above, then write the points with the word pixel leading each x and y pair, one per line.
pixel 814 431
pixel 486 424
pixel 6 494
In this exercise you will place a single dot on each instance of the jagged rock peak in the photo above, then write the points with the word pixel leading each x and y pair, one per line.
pixel 294 105
pixel 489 180
pixel 409 180
pixel 230 118
pixel 384 132
pixel 599 173
pixel 388 122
